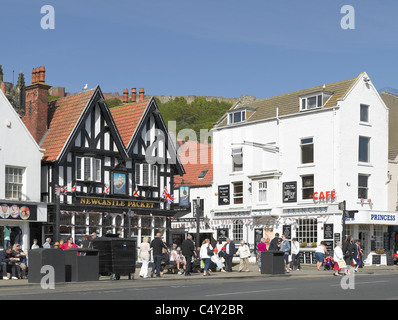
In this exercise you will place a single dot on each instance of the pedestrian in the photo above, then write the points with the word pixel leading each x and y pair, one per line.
pixel 157 245
pixel 176 259
pixel 230 253
pixel 261 247
pixel 35 245
pixel 206 252
pixel 295 255
pixel 320 252
pixel 348 251
pixel 285 247
pixel 188 251
pixel 86 243
pixel 338 258
pixel 244 255
pixel 69 244
pixel 8 261
pixel 47 244
pixel 358 255
pixel 273 246
pixel 145 255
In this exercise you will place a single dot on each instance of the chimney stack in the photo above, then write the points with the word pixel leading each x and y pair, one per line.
pixel 36 105
pixel 3 87
pixel 142 94
pixel 133 95
pixel 125 96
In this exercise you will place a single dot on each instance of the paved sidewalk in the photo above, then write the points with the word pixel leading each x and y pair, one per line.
pixel 306 271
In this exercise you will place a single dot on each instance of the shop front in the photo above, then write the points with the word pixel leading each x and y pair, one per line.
pixel 376 232
pixel 20 222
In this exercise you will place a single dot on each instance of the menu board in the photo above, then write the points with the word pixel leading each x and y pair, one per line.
pixel 328 231
pixel 376 259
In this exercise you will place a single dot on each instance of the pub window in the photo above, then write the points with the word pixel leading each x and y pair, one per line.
pixel 237 159
pixel 307 230
pixel 238 192
pixel 307 186
pixel 137 174
pixel 237 230
pixel 14 178
pixel 363 186
pixel 154 175
pixel 88 169
pixel 145 174
pixel 307 150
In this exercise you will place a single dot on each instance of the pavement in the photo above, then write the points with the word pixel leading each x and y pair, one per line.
pixel 307 271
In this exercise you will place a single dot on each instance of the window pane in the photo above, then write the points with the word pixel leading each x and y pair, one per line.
pixel 78 168
pixel 137 174
pixel 363 155
pixel 364 113
pixel 87 169
pixel 320 101
pixel 145 174
pixel 237 159
pixel 308 187
pixel 311 102
pixel 363 186
pixel 238 193
pixel 237 117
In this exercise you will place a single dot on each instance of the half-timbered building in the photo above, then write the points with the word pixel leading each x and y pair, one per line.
pixel 97 175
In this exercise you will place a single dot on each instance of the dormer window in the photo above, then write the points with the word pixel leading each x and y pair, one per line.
pixel 313 101
pixel 237 116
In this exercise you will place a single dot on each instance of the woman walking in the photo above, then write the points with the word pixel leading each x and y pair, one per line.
pixel 244 254
pixel 144 251
pixel 205 254
pixel 348 251
pixel 338 257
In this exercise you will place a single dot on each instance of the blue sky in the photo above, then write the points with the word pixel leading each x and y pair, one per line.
pixel 213 48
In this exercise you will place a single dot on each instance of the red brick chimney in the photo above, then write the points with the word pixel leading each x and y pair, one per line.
pixel 3 87
pixel 142 94
pixel 125 96
pixel 36 106
pixel 133 95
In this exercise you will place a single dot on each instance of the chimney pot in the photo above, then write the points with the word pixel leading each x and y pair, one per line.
pixel 133 95
pixel 33 75
pixel 125 96
pixel 42 74
pixel 142 94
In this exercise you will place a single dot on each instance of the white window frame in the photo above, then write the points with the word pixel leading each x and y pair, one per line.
pixel 307 187
pixel 367 113
pixel 154 175
pixel 237 152
pixel 262 191
pixel 304 145
pixel 368 149
pixel 14 180
pixel 231 116
pixel 319 97
pixel 237 195
pixel 237 230
pixel 362 187
pixel 94 173
pixel 138 179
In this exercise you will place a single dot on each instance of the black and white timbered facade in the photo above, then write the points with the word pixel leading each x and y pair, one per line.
pixel 111 167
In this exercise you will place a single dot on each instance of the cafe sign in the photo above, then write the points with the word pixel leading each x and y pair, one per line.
pixel 117 203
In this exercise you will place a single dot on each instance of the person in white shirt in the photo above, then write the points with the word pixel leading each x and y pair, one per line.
pixel 205 249
pixel 338 257
pixel 295 254
pixel 244 254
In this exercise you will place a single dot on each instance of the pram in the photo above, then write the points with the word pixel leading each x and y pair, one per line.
pixel 328 263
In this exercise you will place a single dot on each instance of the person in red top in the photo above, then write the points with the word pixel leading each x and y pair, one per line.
pixel 260 248
pixel 69 244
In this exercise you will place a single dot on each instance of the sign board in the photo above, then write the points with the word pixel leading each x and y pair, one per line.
pixel 13 211
pixel 222 234
pixel 287 231
pixel 224 195
pixel 376 259
pixel 290 191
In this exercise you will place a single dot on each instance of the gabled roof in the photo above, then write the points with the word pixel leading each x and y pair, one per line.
pixel 63 116
pixel 288 104
pixel 127 117
pixel 199 164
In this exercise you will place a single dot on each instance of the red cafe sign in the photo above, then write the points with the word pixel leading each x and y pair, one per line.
pixel 327 195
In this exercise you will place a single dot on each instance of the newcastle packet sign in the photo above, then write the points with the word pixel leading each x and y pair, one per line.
pixel 117 203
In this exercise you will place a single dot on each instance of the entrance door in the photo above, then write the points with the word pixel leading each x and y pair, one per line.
pixel 364 239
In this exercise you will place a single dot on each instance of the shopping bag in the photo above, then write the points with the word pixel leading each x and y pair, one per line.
pixel 342 264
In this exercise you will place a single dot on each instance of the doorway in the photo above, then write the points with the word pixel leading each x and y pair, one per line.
pixel 364 239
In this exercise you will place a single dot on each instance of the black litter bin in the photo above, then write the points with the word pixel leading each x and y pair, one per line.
pixel 46 257
pixel 272 262
pixel 81 265
pixel 117 257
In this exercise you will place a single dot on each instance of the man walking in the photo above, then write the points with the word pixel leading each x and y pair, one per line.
pixel 295 254
pixel 157 245
pixel 230 253
pixel 285 247
pixel 273 246
pixel 188 250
